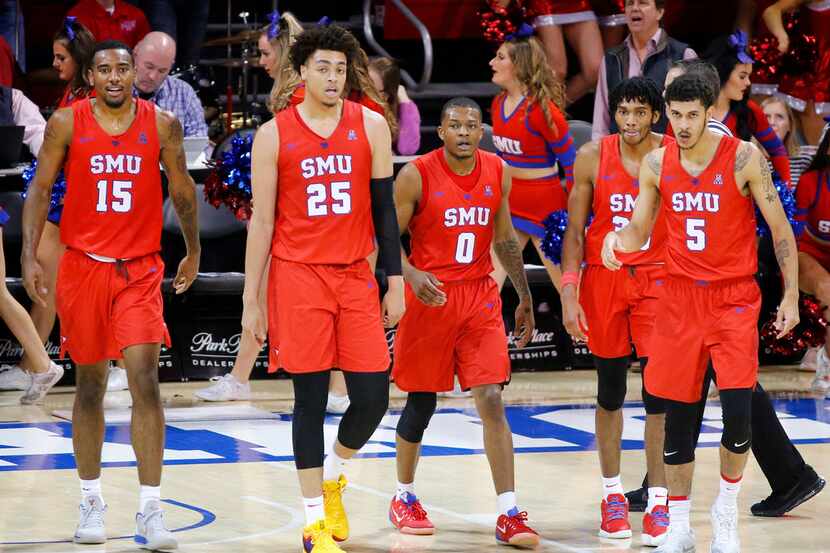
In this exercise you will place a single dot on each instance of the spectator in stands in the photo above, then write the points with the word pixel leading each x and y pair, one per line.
pixel 558 20
pixel 787 129
pixel 733 108
pixel 386 76
pixel 647 51
pixel 17 109
pixel 154 57
pixel 112 20
pixel 7 63
pixel 71 53
pixel 10 16
pixel 185 21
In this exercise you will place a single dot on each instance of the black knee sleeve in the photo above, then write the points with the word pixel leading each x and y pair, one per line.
pixel 654 405
pixel 611 381
pixel 311 392
pixel 737 419
pixel 368 400
pixel 679 447
pixel 416 415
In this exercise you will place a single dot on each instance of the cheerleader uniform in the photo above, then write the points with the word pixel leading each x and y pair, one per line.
pixel 560 12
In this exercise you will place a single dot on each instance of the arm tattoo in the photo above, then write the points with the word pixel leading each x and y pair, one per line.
pixel 743 156
pixel 770 193
pixel 510 255
pixel 183 196
pixel 783 256
pixel 176 133
pixel 654 162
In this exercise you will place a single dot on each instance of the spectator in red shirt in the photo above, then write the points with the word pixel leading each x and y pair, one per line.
pixel 6 63
pixel 112 20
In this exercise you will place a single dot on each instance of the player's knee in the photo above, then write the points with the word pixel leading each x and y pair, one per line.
pixel 489 403
pixel 654 405
pixel 681 419
pixel 737 419
pixel 371 398
pixel 611 382
pixel 416 415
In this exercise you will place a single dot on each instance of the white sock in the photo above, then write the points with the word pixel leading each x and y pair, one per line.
pixel 656 496
pixel 611 486
pixel 506 502
pixel 679 509
pixel 91 488
pixel 314 510
pixel 333 466
pixel 147 494
pixel 405 488
pixel 728 495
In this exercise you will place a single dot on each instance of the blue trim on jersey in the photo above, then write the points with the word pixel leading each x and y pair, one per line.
pixel 507 118
pixel 527 226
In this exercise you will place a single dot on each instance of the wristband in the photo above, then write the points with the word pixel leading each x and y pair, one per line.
pixel 570 277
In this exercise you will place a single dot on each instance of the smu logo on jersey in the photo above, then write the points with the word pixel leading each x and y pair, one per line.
pixel 119 163
pixel 326 165
pixel 622 202
pixel 461 216
pixel 507 145
pixel 695 201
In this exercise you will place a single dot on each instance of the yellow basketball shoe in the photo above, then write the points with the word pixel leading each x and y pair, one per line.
pixel 333 504
pixel 317 539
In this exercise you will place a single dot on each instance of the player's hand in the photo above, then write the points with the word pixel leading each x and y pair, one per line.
pixel 188 270
pixel 394 303
pixel 787 317
pixel 573 316
pixel 253 322
pixel 33 280
pixel 609 245
pixel 525 322
pixel 426 287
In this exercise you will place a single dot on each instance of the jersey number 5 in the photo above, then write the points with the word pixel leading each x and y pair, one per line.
pixel 696 240
pixel 122 196
pixel 341 199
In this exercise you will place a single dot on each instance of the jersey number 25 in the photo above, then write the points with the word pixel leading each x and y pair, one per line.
pixel 318 194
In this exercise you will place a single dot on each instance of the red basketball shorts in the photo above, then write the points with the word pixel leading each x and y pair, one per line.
pixel 107 307
pixel 620 307
pixel 465 336
pixel 701 320
pixel 535 199
pixel 326 316
pixel 807 244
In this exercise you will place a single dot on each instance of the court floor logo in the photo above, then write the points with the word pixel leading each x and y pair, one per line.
pixel 453 431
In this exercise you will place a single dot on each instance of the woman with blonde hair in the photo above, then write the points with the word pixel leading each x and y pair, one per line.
pixel 788 129
pixel 532 137
pixel 386 76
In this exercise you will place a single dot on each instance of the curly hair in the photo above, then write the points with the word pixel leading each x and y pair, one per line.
pixel 688 88
pixel 722 55
pixel 638 89
pixel 288 79
pixel 534 73
pixel 338 39
pixel 80 46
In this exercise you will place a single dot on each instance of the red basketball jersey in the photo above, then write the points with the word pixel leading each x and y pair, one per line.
pixel 452 227
pixel 113 186
pixel 614 195
pixel 813 202
pixel 710 224
pixel 324 207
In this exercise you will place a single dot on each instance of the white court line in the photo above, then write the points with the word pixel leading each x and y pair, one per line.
pixel 467 518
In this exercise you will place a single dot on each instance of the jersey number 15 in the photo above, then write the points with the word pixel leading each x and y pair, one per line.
pixel 122 196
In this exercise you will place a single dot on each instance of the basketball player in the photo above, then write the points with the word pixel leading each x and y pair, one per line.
pixel 109 281
pixel 616 308
pixel 454 202
pixel 705 186
pixel 791 479
pixel 322 180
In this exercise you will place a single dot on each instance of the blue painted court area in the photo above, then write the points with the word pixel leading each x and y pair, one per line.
pixel 536 429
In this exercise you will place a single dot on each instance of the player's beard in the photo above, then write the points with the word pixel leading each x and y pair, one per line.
pixel 692 144
pixel 114 104
pixel 642 138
